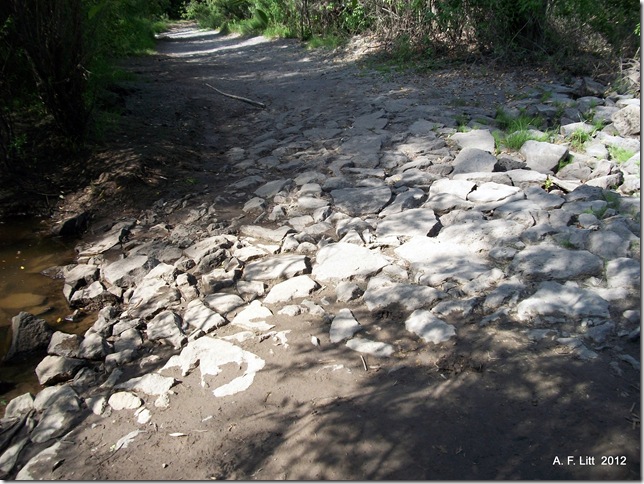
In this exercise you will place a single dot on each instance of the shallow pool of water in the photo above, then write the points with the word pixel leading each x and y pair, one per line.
pixel 24 254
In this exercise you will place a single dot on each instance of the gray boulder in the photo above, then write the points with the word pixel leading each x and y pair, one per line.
pixel 28 334
pixel 361 201
pixel 471 160
pixel 55 369
pixel 543 157
pixel 627 120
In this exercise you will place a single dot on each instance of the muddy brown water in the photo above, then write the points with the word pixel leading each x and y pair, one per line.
pixel 24 253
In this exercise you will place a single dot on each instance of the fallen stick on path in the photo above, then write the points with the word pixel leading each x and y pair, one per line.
pixel 239 98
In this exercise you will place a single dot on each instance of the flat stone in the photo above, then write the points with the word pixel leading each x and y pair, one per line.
pixel 93 347
pixel 272 188
pixel 223 303
pixel 252 317
pixel 58 417
pixel 296 287
pixel 374 348
pixel 124 401
pixel 166 326
pixel 411 198
pixel 28 334
pixel 278 267
pixel 481 139
pixel 433 260
pixel 545 262
pixel 55 369
pixel 429 327
pixel 19 405
pixel 342 261
pixel 382 292
pixel 459 188
pixel 492 192
pixel 151 384
pixel 554 299
pixel 543 157
pixel 264 233
pixel 347 291
pixel 128 271
pixel 81 275
pixel 417 221
pixel 210 355
pixel 473 160
pixel 200 316
pixel 343 326
pixel 207 246
pixel 150 296
pixel 624 273
pixel 255 204
pixel 361 201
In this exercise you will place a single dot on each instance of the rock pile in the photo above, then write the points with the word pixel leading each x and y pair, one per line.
pixel 388 207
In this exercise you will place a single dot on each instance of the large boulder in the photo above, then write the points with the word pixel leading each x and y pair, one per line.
pixel 29 334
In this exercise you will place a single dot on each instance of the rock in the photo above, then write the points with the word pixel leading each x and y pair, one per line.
pixel 255 204
pixel 64 344
pixel 74 226
pixel 473 160
pixel 279 267
pixel 29 334
pixel 627 120
pixel 208 246
pixel 300 286
pixel 347 291
pixel 55 369
pixel 62 412
pixel 343 326
pixel 150 296
pixel 45 459
pixel 568 129
pixel 554 299
pixel 212 354
pixel 361 201
pixel 494 192
pixel 223 303
pixel 382 293
pixel 607 244
pixel 275 235
pixel 252 316
pixel 624 273
pixel 166 326
pixel 128 271
pixel 429 327
pixel 124 401
pixel 81 275
pixel 200 316
pixel 250 289
pixel 433 261
pixel 417 221
pixel 120 358
pixel 374 348
pixel 93 347
pixel 19 406
pixel 342 261
pixel 601 332
pixel 272 188
pixel 480 139
pixel 630 144
pixel 92 294
pixel 459 188
pixel 546 262
pixel 218 279
pixel 151 384
pixel 410 198
pixel 543 157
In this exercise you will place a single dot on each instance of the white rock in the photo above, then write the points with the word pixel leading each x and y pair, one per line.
pixel 343 326
pixel 124 401
pixel 341 261
pixel 299 286
pixel 374 348
pixel 429 327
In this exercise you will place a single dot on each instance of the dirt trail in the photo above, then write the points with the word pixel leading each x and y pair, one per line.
pixel 491 406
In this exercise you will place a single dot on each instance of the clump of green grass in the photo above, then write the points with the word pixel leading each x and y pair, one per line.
pixel 578 138
pixel 326 42
pixel 620 155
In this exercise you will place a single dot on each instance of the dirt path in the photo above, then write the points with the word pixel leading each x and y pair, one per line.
pixel 493 405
